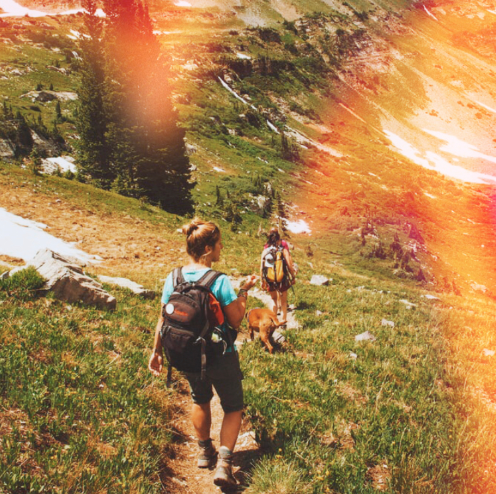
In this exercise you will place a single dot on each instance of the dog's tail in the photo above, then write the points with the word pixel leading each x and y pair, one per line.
pixel 276 321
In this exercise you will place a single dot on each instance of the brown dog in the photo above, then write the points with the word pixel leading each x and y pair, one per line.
pixel 265 322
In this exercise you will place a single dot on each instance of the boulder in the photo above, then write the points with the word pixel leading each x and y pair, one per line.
pixel 131 285
pixel 387 323
pixel 190 149
pixel 367 336
pixel 68 282
pixel 6 149
pixel 318 279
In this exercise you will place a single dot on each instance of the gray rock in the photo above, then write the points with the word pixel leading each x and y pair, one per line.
pixel 488 353
pixel 385 322
pixel 68 282
pixel 131 285
pixel 6 149
pixel 318 313
pixel 353 356
pixel 367 336
pixel 278 337
pixel 5 275
pixel 478 288
pixel 190 149
pixel 320 280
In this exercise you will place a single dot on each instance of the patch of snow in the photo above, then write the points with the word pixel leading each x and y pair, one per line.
pixel 272 127
pixel 459 148
pixel 236 95
pixel 430 195
pixel 374 175
pixel 430 297
pixel 492 11
pixel 64 163
pixel 217 169
pixel 20 237
pixel 182 3
pixel 13 9
pixel 486 107
pixel 243 56
pixel 299 226
pixel 439 164
pixel 430 14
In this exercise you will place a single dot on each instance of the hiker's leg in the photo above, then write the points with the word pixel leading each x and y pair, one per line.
pixel 273 295
pixel 284 305
pixel 230 429
pixel 202 420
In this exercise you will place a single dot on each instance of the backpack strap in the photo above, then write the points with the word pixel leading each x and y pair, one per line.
pixel 177 277
pixel 208 279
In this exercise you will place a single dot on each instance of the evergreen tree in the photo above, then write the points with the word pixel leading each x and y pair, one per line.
pixel 58 111
pixel 92 120
pixel 148 154
pixel 130 140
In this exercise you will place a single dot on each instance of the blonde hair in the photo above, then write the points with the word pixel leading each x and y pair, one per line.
pixel 200 234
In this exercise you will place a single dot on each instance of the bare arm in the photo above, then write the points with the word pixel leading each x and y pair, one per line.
pixel 156 362
pixel 235 311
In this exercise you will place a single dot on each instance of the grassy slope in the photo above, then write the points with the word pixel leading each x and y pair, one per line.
pixel 414 400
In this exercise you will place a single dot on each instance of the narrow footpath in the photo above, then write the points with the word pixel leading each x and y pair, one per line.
pixel 186 478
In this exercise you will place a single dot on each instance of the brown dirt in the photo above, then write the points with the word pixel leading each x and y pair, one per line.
pixel 186 478
pixel 122 241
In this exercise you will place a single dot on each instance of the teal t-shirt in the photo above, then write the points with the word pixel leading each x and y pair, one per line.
pixel 221 289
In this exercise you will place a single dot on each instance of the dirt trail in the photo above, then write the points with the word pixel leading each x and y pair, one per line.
pixel 186 477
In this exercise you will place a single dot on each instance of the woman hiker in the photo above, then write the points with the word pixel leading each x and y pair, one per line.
pixel 204 245
pixel 278 290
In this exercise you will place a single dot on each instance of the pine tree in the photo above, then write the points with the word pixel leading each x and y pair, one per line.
pixel 148 153
pixel 92 120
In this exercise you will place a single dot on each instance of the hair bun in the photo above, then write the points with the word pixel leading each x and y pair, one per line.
pixel 191 227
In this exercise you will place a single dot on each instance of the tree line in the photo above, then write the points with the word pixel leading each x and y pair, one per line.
pixel 130 141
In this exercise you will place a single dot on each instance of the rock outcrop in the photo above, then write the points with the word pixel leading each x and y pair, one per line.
pixel 131 285
pixel 68 282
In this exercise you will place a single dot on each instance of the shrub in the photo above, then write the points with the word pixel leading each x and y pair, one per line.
pixel 23 285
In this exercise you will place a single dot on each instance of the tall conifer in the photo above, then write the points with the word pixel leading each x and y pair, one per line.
pixel 148 154
pixel 92 118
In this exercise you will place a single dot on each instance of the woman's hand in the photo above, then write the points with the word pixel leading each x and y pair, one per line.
pixel 156 363
pixel 250 282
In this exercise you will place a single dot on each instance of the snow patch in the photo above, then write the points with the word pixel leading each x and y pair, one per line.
pixel 217 169
pixel 299 226
pixel 430 195
pixel 433 161
pixel 182 3
pixel 485 106
pixel 459 148
pixel 236 95
pixel 20 237
pixel 65 164
pixel 243 56
pixel 13 9
pixel 430 14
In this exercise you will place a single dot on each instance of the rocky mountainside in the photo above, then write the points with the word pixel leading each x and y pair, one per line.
pixel 373 121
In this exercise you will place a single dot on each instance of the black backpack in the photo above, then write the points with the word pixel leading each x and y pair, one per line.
pixel 188 338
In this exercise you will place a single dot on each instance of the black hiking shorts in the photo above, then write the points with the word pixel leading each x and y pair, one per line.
pixel 225 376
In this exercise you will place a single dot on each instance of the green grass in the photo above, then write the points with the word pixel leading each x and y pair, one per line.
pixel 335 418
pixel 80 412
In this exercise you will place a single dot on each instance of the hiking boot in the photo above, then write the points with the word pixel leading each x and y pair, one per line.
pixel 223 475
pixel 208 454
